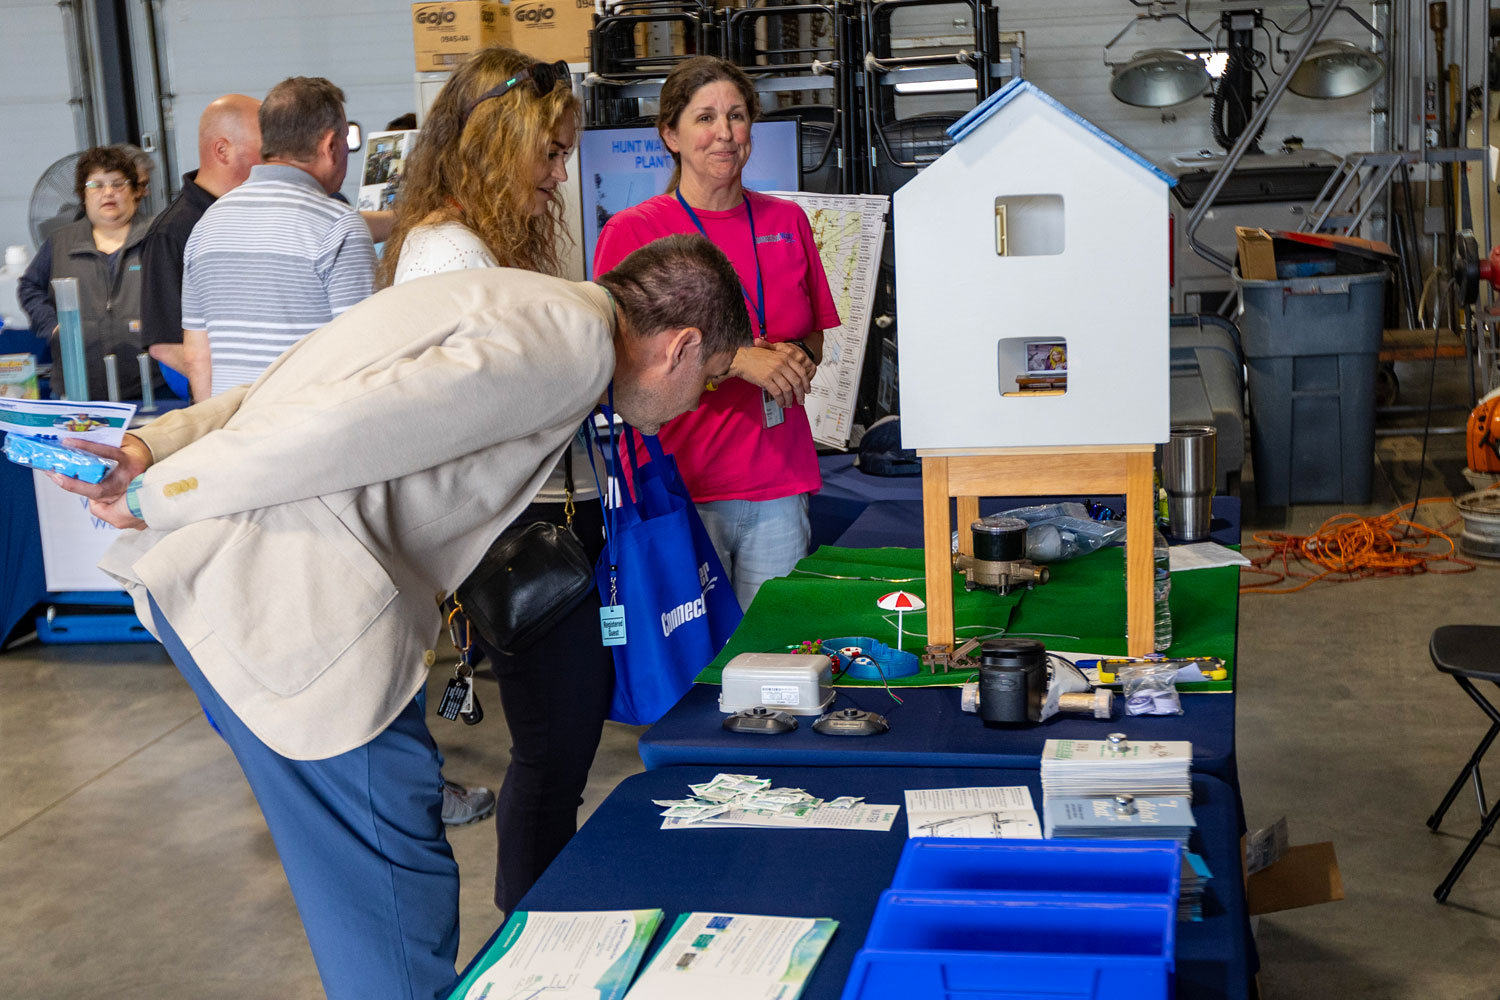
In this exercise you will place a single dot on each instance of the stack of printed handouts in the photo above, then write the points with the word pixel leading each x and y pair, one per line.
pixel 1195 877
pixel 1153 817
pixel 1116 766
pixel 1117 787
pixel 744 800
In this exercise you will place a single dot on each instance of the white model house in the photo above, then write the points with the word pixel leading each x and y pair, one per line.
pixel 1035 228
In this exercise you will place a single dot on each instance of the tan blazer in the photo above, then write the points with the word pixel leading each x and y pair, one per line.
pixel 302 528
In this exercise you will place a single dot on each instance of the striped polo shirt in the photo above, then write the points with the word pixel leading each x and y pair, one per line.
pixel 270 262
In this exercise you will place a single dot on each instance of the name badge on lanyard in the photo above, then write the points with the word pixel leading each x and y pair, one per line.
pixel 771 409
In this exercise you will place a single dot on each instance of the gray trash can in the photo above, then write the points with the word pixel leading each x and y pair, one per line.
pixel 1311 349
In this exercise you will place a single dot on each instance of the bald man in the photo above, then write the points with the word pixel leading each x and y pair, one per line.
pixel 228 146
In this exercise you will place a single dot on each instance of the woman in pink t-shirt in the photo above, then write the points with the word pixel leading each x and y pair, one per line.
pixel 746 454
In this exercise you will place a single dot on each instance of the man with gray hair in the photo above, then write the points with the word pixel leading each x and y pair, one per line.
pixel 276 258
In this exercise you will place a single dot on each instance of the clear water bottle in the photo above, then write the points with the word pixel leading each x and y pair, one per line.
pixel 1161 592
pixel 1161 589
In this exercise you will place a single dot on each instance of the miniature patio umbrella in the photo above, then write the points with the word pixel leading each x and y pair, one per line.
pixel 900 601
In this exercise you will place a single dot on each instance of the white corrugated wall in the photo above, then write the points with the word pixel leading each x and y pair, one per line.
pixel 36 125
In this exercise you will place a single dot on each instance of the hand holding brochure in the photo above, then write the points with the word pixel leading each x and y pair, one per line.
pixel 35 429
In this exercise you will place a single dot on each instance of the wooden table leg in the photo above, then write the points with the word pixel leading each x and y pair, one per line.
pixel 1140 516
pixel 938 545
pixel 968 513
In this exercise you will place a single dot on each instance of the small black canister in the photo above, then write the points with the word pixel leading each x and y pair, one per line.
pixel 1012 681
pixel 999 539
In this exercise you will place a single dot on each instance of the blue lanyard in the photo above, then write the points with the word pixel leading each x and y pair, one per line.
pixel 759 302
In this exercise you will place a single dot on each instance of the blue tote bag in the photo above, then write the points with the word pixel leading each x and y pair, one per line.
pixel 660 567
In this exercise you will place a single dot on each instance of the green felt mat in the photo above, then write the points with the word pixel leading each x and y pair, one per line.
pixel 832 593
pixel 1081 609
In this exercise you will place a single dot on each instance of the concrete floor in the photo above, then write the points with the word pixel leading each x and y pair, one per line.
pixel 134 863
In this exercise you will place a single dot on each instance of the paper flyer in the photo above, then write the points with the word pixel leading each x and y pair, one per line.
pixel 55 419
pixel 562 956
pixel 1005 812
pixel 733 956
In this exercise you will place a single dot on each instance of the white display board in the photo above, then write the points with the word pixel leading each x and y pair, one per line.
pixel 73 540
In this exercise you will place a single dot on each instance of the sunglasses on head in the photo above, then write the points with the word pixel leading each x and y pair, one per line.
pixel 543 76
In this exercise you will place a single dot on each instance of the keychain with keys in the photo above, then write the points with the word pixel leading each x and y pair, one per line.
pixel 459 700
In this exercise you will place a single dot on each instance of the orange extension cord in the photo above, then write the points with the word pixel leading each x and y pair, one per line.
pixel 1350 547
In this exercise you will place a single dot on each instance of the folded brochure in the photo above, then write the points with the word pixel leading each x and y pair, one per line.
pixel 735 956
pixel 588 955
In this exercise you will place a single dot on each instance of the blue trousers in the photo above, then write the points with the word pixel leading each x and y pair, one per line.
pixel 361 841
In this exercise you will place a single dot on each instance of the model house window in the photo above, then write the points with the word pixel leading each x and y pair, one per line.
pixel 1033 365
pixel 1029 225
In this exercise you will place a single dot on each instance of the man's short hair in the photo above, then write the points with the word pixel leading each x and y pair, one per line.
pixel 682 281
pixel 295 116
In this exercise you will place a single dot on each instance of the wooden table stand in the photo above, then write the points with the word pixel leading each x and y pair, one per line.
pixel 970 474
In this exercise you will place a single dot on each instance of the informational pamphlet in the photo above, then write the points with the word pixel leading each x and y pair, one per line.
pixel 1004 812
pixel 732 956
pixel 55 419
pixel 562 956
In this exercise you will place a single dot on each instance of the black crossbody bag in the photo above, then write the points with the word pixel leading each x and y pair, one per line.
pixel 529 580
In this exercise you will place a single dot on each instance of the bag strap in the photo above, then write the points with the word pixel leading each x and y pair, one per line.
pixel 653 447
pixel 568 509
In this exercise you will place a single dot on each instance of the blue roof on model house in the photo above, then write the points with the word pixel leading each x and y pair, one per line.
pixel 960 129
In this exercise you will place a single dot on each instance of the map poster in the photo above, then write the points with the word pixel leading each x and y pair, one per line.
pixel 850 231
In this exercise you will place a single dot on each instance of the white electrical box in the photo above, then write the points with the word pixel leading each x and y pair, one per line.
pixel 795 683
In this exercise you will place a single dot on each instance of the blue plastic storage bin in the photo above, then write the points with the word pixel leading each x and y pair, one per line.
pixel 997 946
pixel 1123 868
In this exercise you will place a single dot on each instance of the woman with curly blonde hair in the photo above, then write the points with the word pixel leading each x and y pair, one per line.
pixel 480 188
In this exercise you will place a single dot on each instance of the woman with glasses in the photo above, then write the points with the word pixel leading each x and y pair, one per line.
pixel 481 189
pixel 102 251
pixel 746 453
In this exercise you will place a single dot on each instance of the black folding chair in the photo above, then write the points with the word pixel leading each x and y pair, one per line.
pixel 1468 653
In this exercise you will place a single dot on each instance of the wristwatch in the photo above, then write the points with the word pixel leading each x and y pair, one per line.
pixel 805 350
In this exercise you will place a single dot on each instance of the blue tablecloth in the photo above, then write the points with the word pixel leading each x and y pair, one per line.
pixel 930 730
pixel 24 580
pixel 621 859
pixel 847 492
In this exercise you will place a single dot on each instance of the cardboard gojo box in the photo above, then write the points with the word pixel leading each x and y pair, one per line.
pixel 445 34
pixel 548 30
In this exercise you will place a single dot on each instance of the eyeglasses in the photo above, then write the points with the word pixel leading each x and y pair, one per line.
pixel 543 76
pixel 118 185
